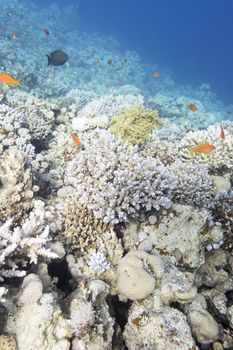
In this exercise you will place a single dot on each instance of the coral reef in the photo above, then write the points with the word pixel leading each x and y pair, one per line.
pixel 220 158
pixel 164 328
pixel 112 180
pixel 194 185
pixel 137 273
pixel 23 244
pixel 116 241
pixel 176 109
pixel 16 189
pixel 135 124
pixel 81 227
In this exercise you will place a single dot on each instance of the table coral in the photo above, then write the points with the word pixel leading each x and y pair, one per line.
pixel 135 124
pixel 112 179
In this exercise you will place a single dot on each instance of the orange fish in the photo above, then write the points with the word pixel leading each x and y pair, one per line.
pixel 46 31
pixel 109 62
pixel 222 133
pixel 156 74
pixel 75 138
pixel 15 37
pixel 203 148
pixel 6 79
pixel 192 107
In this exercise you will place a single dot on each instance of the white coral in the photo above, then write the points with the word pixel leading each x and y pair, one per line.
pixel 82 316
pixel 109 105
pixel 194 184
pixel 20 243
pixel 112 179
pixel 221 156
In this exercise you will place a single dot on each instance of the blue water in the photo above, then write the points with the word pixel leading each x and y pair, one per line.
pixel 189 42
pixel 191 38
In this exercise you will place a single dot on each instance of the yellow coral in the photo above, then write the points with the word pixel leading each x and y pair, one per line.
pixel 7 342
pixel 135 124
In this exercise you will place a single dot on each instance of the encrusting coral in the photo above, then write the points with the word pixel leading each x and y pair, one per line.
pixel 135 124
pixel 116 183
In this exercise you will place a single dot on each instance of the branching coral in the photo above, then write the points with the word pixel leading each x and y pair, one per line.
pixel 135 124
pixel 163 150
pixel 109 105
pixel 81 227
pixel 194 184
pixel 220 158
pixel 114 181
pixel 22 244
pixel 16 190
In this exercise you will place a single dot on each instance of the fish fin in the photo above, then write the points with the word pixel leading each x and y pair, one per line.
pixel 18 82
pixel 49 60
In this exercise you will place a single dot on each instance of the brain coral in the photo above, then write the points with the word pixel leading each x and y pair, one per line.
pixel 135 124
pixel 137 273
pixel 114 181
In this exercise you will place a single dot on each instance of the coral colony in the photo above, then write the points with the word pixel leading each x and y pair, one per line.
pixel 116 210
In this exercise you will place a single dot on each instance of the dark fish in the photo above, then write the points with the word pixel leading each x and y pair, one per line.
pixel 57 58
pixel 46 31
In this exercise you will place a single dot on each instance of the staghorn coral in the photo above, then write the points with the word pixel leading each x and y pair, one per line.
pixel 25 243
pixel 82 316
pixel 16 190
pixel 135 124
pixel 194 184
pixel 220 158
pixel 113 180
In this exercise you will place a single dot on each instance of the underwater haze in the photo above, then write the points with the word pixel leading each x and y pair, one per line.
pixel 176 49
pixel 192 39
